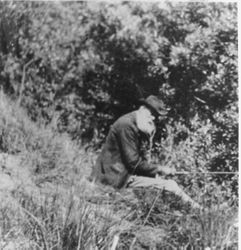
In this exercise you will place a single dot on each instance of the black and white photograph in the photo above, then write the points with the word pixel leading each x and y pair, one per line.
pixel 119 125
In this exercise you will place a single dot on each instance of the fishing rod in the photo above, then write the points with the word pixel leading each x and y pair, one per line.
pixel 212 172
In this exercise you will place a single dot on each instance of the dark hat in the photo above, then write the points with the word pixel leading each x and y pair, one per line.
pixel 156 106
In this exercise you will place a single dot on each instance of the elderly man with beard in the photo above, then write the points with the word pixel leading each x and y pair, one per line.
pixel 123 160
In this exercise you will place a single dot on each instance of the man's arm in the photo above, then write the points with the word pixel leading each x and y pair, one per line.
pixel 164 170
pixel 128 143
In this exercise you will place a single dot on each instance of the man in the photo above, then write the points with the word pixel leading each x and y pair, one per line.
pixel 123 161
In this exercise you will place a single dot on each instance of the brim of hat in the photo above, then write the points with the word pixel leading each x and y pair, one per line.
pixel 162 112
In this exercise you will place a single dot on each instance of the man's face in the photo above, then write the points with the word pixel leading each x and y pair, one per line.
pixel 162 118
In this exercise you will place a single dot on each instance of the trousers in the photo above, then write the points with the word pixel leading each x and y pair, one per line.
pixel 160 183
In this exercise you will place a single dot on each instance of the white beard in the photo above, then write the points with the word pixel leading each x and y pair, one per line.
pixel 146 126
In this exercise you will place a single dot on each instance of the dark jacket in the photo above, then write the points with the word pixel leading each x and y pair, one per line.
pixel 122 154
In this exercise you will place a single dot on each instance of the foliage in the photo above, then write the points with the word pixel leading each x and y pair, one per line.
pixel 77 66
pixel 200 150
pixel 85 59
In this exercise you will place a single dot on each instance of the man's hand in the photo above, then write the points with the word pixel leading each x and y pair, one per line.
pixel 166 170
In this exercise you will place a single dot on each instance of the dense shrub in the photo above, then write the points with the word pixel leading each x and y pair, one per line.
pixel 88 60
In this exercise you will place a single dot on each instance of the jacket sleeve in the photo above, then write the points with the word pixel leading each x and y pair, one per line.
pixel 128 143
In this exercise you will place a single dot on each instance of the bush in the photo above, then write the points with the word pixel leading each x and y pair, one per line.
pixel 197 152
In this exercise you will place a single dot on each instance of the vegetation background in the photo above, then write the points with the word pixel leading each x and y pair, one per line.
pixel 67 71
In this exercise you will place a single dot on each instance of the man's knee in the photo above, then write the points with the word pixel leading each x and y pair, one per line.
pixel 172 185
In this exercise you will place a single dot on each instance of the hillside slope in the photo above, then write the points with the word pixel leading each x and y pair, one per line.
pixel 48 203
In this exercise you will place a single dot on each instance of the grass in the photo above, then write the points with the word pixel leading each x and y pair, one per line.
pixel 63 210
